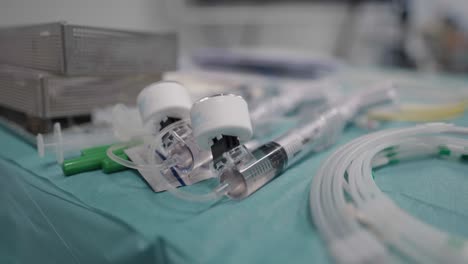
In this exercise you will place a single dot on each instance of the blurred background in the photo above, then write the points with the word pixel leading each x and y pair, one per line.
pixel 62 59
pixel 413 34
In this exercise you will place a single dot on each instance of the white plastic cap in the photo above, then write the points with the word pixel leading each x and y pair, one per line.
pixel 219 115
pixel 164 99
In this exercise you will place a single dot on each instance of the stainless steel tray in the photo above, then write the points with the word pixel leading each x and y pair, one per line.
pixel 43 95
pixel 79 50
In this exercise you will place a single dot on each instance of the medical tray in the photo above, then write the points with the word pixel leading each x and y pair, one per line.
pixel 80 50
pixel 44 95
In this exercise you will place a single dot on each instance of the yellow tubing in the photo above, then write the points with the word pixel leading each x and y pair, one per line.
pixel 421 113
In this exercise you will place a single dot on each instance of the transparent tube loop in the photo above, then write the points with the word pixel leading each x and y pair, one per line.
pixel 128 163
pixel 343 196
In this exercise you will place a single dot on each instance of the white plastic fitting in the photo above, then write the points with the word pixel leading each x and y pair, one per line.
pixel 55 145
pixel 224 114
pixel 63 142
pixel 161 100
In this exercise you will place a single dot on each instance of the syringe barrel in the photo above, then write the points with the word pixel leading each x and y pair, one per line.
pixel 270 160
pixel 273 158
pixel 313 136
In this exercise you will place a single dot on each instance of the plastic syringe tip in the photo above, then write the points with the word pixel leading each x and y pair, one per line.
pixel 40 145
pixel 55 144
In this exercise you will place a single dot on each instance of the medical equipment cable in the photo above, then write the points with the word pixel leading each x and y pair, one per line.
pixel 357 220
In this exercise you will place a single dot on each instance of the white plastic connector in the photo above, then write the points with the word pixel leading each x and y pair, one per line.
pixel 55 144
pixel 219 115
pixel 161 100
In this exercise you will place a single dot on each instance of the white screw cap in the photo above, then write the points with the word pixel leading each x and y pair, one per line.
pixel 219 115
pixel 164 99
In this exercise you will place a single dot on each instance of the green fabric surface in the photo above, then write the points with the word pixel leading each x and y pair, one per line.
pixel 94 217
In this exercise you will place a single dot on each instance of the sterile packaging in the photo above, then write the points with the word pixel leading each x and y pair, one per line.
pixel 138 155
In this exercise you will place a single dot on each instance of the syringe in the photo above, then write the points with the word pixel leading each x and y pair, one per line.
pixel 242 172
pixel 62 142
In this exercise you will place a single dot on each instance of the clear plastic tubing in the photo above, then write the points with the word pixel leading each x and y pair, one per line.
pixel 359 222
pixel 269 160
pixel 293 95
